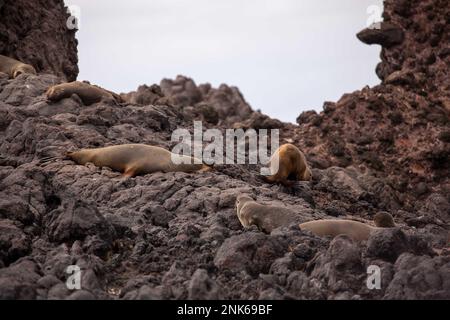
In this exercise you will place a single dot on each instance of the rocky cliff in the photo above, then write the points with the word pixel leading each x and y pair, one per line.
pixel 36 32
pixel 176 235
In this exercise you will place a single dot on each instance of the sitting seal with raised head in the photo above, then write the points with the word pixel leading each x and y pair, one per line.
pixel 288 165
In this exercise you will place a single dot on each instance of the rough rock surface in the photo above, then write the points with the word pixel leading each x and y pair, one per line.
pixel 383 33
pixel 26 25
pixel 176 235
pixel 228 102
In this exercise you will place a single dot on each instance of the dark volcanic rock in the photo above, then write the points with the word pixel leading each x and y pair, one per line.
pixel 259 121
pixel 13 242
pixel 176 235
pixel 25 26
pixel 420 277
pixel 146 95
pixel 388 244
pixel 340 268
pixel 384 33
pixel 227 101
pixel 75 220
pixel 436 206
pixel 253 252
pixel 19 281
pixel 202 287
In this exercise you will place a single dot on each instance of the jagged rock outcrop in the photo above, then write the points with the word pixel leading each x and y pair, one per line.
pixel 146 95
pixel 228 102
pixel 37 33
pixel 382 33
pixel 397 130
pixel 176 235
pixel 425 48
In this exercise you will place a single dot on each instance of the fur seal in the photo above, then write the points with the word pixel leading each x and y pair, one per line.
pixel 266 218
pixel 291 167
pixel 354 229
pixel 88 93
pixel 135 159
pixel 13 68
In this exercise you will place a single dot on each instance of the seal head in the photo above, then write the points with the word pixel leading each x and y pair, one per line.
pixel 89 94
pixel 14 68
pixel 384 220
pixel 23 68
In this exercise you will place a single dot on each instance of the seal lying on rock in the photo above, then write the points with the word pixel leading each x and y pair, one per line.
pixel 14 68
pixel 88 93
pixel 266 218
pixel 287 165
pixel 136 159
pixel 354 229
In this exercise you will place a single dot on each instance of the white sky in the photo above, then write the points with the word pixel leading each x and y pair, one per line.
pixel 286 56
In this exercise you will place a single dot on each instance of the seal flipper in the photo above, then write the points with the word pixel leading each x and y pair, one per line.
pixel 129 172
pixel 48 159
pixel 288 183
pixel 269 179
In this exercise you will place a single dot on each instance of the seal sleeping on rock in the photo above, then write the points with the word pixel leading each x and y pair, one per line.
pixel 13 68
pixel 268 218
pixel 136 159
pixel 354 229
pixel 88 93
pixel 287 165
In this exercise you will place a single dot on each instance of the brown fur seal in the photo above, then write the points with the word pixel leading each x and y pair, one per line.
pixel 88 93
pixel 135 159
pixel 14 68
pixel 354 229
pixel 266 218
pixel 291 167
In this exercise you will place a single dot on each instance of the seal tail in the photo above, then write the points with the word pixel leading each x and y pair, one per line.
pixel 268 179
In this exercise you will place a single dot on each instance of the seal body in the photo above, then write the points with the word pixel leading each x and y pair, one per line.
pixel 354 229
pixel 13 68
pixel 287 165
pixel 266 218
pixel 88 93
pixel 136 159
pixel 332 227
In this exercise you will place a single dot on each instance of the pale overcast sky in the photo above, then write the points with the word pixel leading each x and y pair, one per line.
pixel 285 56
